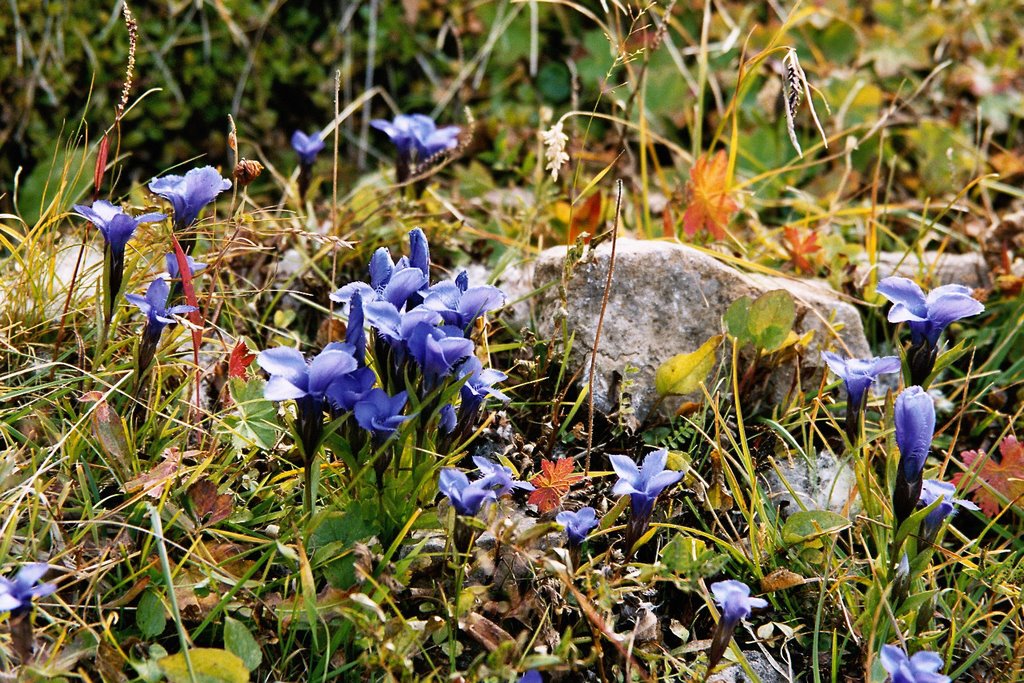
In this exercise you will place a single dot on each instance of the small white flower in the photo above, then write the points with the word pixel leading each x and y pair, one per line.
pixel 555 140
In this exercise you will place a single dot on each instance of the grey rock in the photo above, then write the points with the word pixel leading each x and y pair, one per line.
pixel 825 483
pixel 759 664
pixel 932 268
pixel 668 299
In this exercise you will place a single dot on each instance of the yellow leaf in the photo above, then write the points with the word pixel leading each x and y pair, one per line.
pixel 684 373
pixel 210 665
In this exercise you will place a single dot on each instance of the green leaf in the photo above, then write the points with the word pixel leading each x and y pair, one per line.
pixel 684 373
pixel 771 319
pixel 255 423
pixel 150 616
pixel 210 664
pixel 335 537
pixel 737 320
pixel 808 525
pixel 239 641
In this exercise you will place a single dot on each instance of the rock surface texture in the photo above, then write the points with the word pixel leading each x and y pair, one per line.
pixel 667 299
pixel 932 268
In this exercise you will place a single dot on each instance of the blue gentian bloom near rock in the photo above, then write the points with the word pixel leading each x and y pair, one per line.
pixel 467 498
pixel 174 272
pixel 497 477
pixel 914 416
pixel 16 595
pixel 459 304
pixel 858 376
pixel 578 525
pixel 933 490
pixel 922 667
pixel 117 227
pixel 927 316
pixel 643 486
pixel 307 146
pixel 735 603
pixel 190 193
pixel 291 377
pixel 381 414
pixel 733 597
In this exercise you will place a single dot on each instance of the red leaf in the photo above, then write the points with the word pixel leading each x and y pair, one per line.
pixel 1005 475
pixel 241 358
pixel 190 297
pixel 710 200
pixel 552 484
pixel 800 247
pixel 101 164
pixel 587 218
pixel 206 501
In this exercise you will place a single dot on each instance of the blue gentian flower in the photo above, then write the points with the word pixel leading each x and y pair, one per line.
pixel 933 490
pixel 381 414
pixel 154 305
pixel 16 596
pixel 858 376
pixel 915 427
pixel 578 525
pixel 459 304
pixel 927 317
pixel 449 420
pixel 922 667
pixel 190 193
pixel 418 133
pixel 419 251
pixel 733 597
pixel 291 377
pixel 437 350
pixel 307 146
pixel 117 227
pixel 351 388
pixel 531 676
pixel 355 334
pixel 467 498
pixel 478 386
pixel 497 477
pixel 396 289
pixel 914 416
pixel 172 265
pixel 643 485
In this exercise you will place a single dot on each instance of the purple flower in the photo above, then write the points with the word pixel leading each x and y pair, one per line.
pixel 154 305
pixel 307 146
pixel 437 350
pixel 190 193
pixel 531 676
pixel 16 596
pixel 933 490
pixel 498 478
pixel 578 525
pixel 291 377
pixel 355 334
pixel 915 427
pixel 459 304
pixel 381 414
pixel 922 667
pixel 350 388
pixel 419 251
pixel 733 597
pixel 928 315
pixel 643 485
pixel 858 375
pixel 478 387
pixel 449 420
pixel 467 498
pixel 116 226
pixel 386 284
pixel 172 265
pixel 417 133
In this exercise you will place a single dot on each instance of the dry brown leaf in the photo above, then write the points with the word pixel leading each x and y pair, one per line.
pixel 152 483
